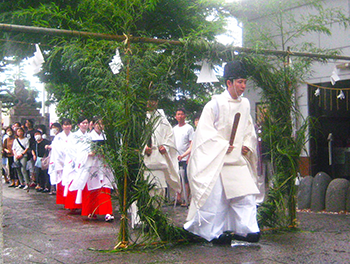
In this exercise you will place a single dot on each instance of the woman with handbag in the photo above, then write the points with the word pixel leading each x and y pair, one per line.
pixel 20 148
pixel 7 149
pixel 38 153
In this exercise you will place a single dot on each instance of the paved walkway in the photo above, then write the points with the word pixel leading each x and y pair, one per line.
pixel 36 230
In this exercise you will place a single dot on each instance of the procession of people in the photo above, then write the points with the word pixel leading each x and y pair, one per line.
pixel 65 165
pixel 211 170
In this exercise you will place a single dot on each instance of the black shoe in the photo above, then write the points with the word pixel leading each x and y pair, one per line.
pixel 223 239
pixel 12 186
pixel 39 190
pixel 46 190
pixel 251 237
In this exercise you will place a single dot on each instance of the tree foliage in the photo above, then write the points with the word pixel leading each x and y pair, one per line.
pixel 184 19
pixel 78 77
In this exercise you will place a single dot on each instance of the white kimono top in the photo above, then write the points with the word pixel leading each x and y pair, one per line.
pixel 76 156
pixel 209 159
pixel 59 148
pixel 90 170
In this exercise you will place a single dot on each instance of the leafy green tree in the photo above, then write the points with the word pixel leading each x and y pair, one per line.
pixel 183 19
pixel 79 78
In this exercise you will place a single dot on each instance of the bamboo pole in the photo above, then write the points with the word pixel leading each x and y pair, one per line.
pixel 124 243
pixel 83 34
pixel 220 47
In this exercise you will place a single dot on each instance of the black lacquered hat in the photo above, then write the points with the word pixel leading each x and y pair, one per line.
pixel 235 70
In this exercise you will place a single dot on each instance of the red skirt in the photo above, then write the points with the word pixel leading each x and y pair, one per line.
pixel 59 193
pixel 97 202
pixel 69 202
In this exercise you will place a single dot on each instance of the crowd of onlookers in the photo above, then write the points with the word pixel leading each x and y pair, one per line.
pixel 24 146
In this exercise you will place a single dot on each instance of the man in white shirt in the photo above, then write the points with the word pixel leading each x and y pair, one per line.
pixel 183 136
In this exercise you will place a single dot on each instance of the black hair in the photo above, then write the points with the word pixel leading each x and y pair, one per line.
pixel 20 128
pixel 66 121
pixel 58 125
pixel 197 116
pixel 9 128
pixel 31 121
pixel 182 110
pixel 81 119
pixel 42 128
pixel 38 131
pixel 95 119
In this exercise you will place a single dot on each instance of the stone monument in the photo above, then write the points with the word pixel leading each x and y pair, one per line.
pixel 25 106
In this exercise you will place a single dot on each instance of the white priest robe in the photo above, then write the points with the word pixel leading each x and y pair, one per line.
pixel 163 169
pixel 211 170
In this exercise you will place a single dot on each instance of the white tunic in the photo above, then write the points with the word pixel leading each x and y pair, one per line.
pixel 90 170
pixel 100 174
pixel 209 160
pixel 59 147
pixel 162 167
pixel 76 156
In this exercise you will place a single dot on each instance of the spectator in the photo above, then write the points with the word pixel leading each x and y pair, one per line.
pixel 183 136
pixel 40 149
pixel 20 149
pixel 7 149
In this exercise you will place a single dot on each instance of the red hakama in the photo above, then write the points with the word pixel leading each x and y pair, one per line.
pixel 97 202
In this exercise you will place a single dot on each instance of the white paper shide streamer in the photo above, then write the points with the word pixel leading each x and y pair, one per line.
pixel 37 60
pixel 317 92
pixel 116 64
pixel 341 95
pixel 334 77
pixel 206 74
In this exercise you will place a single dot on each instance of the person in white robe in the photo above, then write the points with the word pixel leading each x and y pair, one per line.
pixel 58 148
pixel 94 178
pixel 160 157
pixel 76 157
pixel 223 177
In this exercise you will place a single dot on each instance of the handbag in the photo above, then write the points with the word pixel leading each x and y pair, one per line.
pixel 45 161
pixel 38 162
